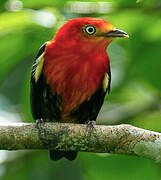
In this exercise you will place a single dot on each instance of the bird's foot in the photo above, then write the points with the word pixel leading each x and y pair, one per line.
pixel 38 122
pixel 90 126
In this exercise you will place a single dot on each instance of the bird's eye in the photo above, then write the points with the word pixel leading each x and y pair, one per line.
pixel 90 30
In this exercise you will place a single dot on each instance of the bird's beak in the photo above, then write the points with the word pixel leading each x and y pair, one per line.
pixel 117 33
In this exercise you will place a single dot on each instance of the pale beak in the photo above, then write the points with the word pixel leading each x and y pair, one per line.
pixel 117 33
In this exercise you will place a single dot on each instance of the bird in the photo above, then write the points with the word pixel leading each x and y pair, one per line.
pixel 71 75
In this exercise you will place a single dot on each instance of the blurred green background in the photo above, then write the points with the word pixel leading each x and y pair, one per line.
pixel 135 97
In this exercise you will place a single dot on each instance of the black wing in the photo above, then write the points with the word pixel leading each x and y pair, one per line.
pixel 44 104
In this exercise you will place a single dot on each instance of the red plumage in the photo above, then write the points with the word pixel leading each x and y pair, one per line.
pixel 75 64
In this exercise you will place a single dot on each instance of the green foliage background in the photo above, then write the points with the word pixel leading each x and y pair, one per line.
pixel 136 84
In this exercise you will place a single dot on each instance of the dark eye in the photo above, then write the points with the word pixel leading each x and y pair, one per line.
pixel 90 30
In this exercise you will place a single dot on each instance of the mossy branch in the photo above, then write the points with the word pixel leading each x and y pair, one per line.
pixel 120 139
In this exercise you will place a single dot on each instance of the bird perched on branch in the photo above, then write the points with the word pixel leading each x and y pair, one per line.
pixel 71 74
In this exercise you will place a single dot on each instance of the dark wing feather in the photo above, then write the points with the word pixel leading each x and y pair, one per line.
pixel 36 89
pixel 44 104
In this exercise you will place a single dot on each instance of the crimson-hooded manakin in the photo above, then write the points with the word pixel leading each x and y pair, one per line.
pixel 71 74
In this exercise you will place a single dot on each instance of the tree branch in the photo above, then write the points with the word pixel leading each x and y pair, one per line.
pixel 120 139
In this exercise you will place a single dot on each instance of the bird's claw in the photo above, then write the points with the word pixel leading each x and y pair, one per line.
pixel 38 122
pixel 90 125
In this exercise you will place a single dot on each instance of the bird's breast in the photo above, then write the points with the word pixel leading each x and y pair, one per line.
pixel 74 78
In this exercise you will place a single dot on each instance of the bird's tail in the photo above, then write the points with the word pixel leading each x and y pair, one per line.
pixel 56 155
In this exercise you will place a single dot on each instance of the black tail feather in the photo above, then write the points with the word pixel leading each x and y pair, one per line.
pixel 56 155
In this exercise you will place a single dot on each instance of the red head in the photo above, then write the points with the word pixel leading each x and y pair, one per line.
pixel 88 33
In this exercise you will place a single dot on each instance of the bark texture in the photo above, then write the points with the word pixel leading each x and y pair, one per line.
pixel 119 139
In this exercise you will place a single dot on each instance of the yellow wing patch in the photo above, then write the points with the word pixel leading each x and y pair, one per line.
pixel 105 82
pixel 39 67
